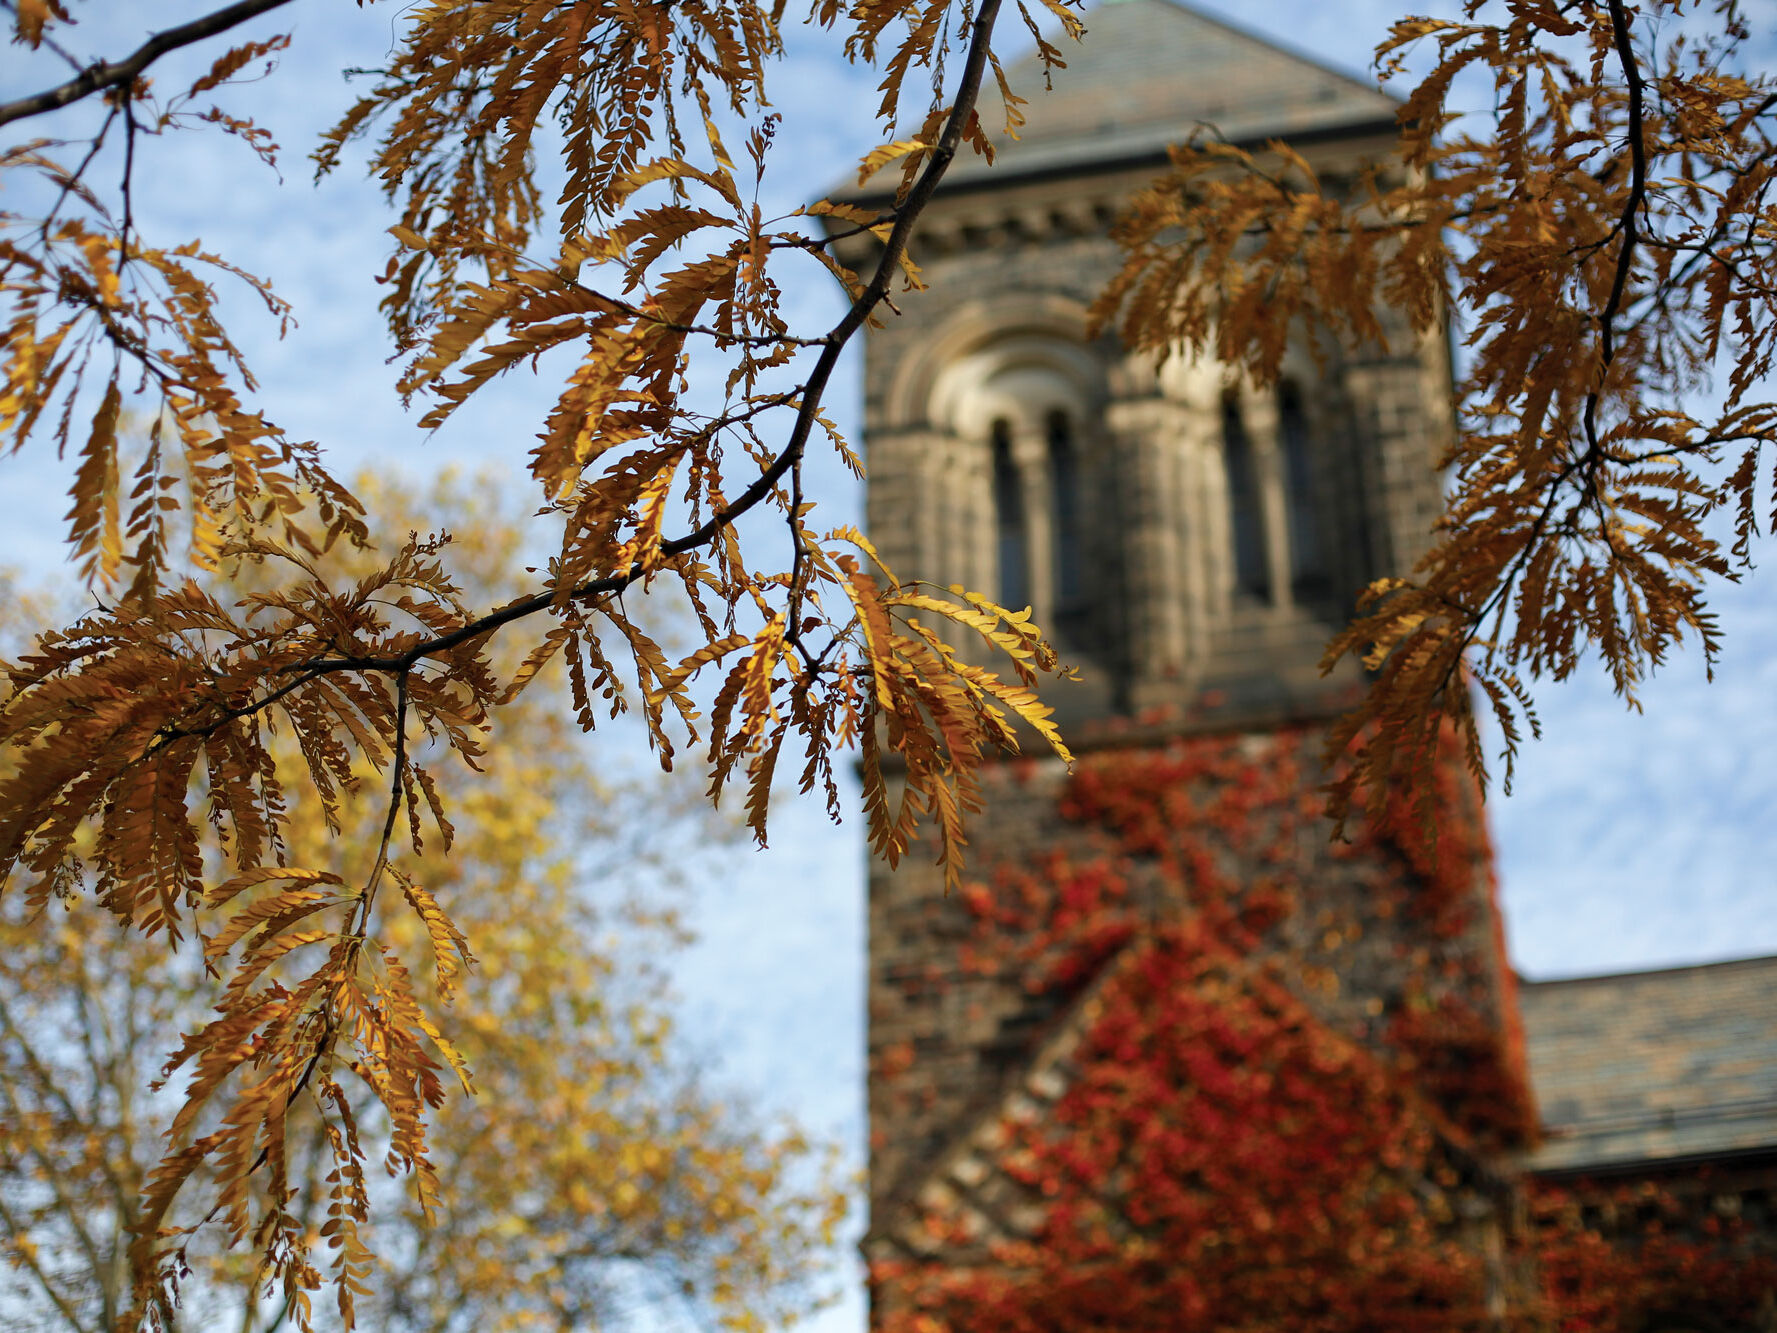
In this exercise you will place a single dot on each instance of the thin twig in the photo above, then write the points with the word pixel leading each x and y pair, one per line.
pixel 398 767
pixel 129 167
pixel 122 73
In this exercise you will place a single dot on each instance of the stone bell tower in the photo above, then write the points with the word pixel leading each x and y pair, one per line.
pixel 1191 541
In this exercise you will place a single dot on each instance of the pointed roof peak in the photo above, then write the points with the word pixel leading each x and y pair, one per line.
pixel 1148 73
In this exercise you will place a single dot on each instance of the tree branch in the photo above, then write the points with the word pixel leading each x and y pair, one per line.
pixel 1632 206
pixel 122 73
pixel 808 402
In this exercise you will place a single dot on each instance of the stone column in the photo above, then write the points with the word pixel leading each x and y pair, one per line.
pixel 1258 410
pixel 1030 453
pixel 1402 501
pixel 1202 507
pixel 1145 437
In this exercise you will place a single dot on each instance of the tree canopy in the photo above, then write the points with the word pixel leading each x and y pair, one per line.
pixel 1602 225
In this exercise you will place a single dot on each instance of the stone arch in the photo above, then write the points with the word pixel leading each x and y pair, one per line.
pixel 1015 396
pixel 985 337
pixel 1022 376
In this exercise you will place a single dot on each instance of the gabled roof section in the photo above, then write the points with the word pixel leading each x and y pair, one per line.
pixel 1644 1067
pixel 968 1191
pixel 1147 74
pixel 977 1194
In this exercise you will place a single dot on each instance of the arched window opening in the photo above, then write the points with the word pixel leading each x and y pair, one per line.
pixel 1064 490
pixel 1308 574
pixel 1246 519
pixel 1008 510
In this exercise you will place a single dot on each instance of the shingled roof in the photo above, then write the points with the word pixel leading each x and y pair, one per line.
pixel 1647 1067
pixel 1149 72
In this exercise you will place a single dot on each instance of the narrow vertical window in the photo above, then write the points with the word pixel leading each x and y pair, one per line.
pixel 1245 517
pixel 1008 509
pixel 1064 490
pixel 1307 561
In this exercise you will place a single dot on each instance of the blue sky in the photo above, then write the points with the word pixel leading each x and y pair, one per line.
pixel 1630 841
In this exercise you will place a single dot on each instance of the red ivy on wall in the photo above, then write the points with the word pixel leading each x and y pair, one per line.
pixel 1228 832
pixel 1236 1144
pixel 1220 1160
pixel 1668 1267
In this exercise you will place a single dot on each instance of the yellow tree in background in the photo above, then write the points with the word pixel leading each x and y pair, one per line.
pixel 591 1173
pixel 1602 228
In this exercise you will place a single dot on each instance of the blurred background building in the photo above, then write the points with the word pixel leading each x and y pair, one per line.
pixel 1194 539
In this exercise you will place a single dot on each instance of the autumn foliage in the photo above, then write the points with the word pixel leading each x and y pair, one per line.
pixel 144 736
pixel 1604 230
pixel 1275 1104
pixel 1221 1160
pixel 1618 1258
pixel 1586 189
